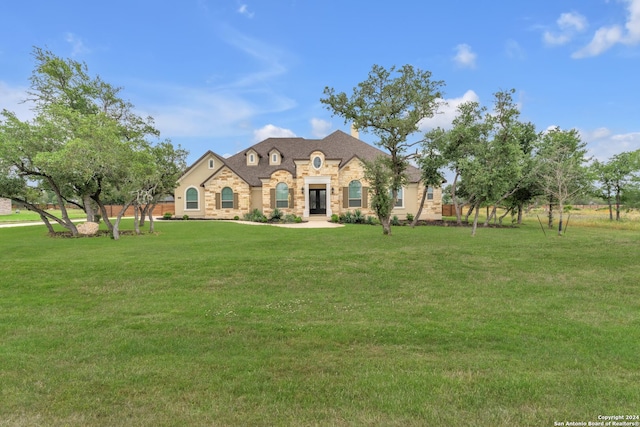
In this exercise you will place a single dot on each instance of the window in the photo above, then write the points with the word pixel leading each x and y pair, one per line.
pixel 282 195
pixel 227 198
pixel 355 194
pixel 429 193
pixel 210 163
pixel 192 198
pixel 400 201
pixel 274 158
pixel 317 162
pixel 252 158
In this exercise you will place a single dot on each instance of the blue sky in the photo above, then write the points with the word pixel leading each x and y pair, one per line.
pixel 225 74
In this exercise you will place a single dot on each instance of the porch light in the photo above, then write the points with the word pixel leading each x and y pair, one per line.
pixel 302 190
pixel 331 190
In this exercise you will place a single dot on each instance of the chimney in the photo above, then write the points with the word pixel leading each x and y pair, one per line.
pixel 354 131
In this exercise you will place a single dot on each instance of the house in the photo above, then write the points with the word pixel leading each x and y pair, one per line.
pixel 304 177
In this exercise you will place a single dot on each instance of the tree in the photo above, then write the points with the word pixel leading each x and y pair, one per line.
pixel 430 161
pixel 390 104
pixel 493 170
pixel 561 171
pixel 616 178
pixel 83 145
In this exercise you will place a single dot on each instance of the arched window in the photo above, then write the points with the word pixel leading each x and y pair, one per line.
pixel 282 195
pixel 227 198
pixel 355 194
pixel 191 198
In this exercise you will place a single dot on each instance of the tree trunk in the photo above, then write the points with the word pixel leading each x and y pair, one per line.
pixel 136 221
pixel 424 197
pixel 88 208
pixel 67 223
pixel 115 231
pixel 560 209
pixel 471 208
pixel 457 208
pixel 505 214
pixel 550 215
pixel 47 223
pixel 610 209
pixel 103 210
pixel 520 214
pixel 493 215
pixel 386 225
pixel 618 205
pixel 475 220
pixel 151 222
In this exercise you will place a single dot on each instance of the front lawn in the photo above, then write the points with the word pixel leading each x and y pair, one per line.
pixel 215 323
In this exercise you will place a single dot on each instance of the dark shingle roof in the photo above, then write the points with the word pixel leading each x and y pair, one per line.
pixel 337 146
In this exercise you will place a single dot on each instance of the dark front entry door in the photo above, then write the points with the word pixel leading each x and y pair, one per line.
pixel 317 201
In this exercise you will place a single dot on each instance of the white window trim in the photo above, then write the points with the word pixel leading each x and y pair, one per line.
pixel 212 164
pixel 313 162
pixel 404 195
pixel 185 198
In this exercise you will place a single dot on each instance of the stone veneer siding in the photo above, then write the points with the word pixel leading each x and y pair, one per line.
pixel 241 191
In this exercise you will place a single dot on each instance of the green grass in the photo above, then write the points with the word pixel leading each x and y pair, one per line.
pixel 212 323
pixel 29 216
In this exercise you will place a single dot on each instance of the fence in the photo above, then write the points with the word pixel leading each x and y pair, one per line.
pixel 160 209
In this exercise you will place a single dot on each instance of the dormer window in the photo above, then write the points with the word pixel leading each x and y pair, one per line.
pixel 275 158
pixel 252 157
pixel 211 163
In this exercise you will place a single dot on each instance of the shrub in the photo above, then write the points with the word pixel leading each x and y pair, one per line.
pixel 276 214
pixel 167 215
pixel 185 217
pixel 97 218
pixel 410 217
pixel 372 220
pixel 335 218
pixel 289 218
pixel 358 218
pixel 236 217
pixel 255 216
pixel 298 220
pixel 395 220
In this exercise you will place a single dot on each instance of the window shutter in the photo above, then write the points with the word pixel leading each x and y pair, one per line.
pixel 345 197
pixel 291 198
pixel 272 196
pixel 235 201
pixel 365 196
pixel 218 199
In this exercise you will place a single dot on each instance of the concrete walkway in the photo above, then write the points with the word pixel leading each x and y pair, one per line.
pixel 311 223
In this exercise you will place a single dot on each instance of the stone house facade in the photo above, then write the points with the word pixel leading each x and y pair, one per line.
pixel 304 177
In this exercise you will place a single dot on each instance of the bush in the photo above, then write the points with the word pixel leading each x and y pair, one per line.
pixel 276 215
pixel 289 218
pixel 185 217
pixel 236 217
pixel 410 217
pixel 335 218
pixel 395 220
pixel 298 220
pixel 167 215
pixel 358 218
pixel 97 218
pixel 372 220
pixel 255 216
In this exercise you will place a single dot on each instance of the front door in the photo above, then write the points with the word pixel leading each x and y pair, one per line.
pixel 318 201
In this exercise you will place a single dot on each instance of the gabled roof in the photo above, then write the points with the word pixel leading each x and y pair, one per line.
pixel 337 146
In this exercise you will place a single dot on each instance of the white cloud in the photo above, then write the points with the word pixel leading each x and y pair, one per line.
pixel 320 128
pixel 11 99
pixel 572 21
pixel 447 112
pixel 514 50
pixel 607 37
pixel 271 131
pixel 602 143
pixel 465 57
pixel 78 45
pixel 244 10
pixel 569 25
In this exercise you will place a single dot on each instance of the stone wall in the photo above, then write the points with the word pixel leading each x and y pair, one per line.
pixel 5 206
pixel 241 191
